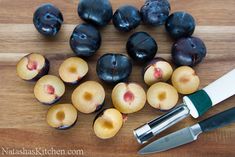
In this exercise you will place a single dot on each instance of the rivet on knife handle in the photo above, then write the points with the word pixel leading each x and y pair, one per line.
pixel 195 104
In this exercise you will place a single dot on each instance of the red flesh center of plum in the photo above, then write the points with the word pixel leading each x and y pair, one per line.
pixel 157 73
pixel 49 89
pixel 128 96
pixel 32 65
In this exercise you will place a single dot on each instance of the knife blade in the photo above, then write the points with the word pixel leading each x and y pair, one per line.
pixel 190 134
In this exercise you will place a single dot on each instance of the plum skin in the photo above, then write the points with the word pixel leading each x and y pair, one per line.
pixel 141 47
pixel 180 24
pixel 96 12
pixel 85 40
pixel 48 19
pixel 188 51
pixel 126 18
pixel 113 68
pixel 44 71
pixel 155 12
pixel 66 127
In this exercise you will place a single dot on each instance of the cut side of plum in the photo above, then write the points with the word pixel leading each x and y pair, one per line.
pixel 185 80
pixel 158 70
pixel 62 116
pixel 73 69
pixel 108 123
pixel 49 89
pixel 162 96
pixel 88 97
pixel 32 67
pixel 128 97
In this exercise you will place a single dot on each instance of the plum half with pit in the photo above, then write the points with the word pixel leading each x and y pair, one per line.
pixel 107 123
pixel 73 69
pixel 126 18
pixel 49 89
pixel 85 40
pixel 128 97
pixel 155 12
pixel 113 68
pixel 141 47
pixel 88 97
pixel 48 19
pixel 180 24
pixel 96 12
pixel 157 70
pixel 32 67
pixel 188 51
pixel 62 116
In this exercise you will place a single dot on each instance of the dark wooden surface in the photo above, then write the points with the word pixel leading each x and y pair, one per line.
pixel 22 118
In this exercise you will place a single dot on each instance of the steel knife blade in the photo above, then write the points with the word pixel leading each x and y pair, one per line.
pixel 190 134
pixel 173 140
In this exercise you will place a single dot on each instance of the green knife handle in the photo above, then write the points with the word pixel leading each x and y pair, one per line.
pixel 202 100
pixel 218 120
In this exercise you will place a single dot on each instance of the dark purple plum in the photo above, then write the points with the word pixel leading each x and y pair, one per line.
pixel 188 51
pixel 96 12
pixel 48 19
pixel 85 40
pixel 113 68
pixel 155 12
pixel 126 18
pixel 180 24
pixel 141 47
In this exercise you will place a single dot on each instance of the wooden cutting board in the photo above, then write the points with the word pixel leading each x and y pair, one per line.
pixel 22 118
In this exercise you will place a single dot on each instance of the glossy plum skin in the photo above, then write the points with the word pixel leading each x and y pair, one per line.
pixel 85 40
pixel 141 47
pixel 155 12
pixel 48 19
pixel 126 18
pixel 188 51
pixel 113 68
pixel 96 12
pixel 180 24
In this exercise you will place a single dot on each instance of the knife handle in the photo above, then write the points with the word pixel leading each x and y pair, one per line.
pixel 219 120
pixel 202 100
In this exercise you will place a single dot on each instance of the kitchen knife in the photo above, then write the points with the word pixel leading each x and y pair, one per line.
pixel 195 105
pixel 190 134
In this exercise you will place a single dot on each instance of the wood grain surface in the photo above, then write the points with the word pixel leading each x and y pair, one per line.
pixel 22 118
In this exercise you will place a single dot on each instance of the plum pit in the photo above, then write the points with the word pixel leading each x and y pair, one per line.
pixel 49 89
pixel 32 65
pixel 128 96
pixel 157 73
